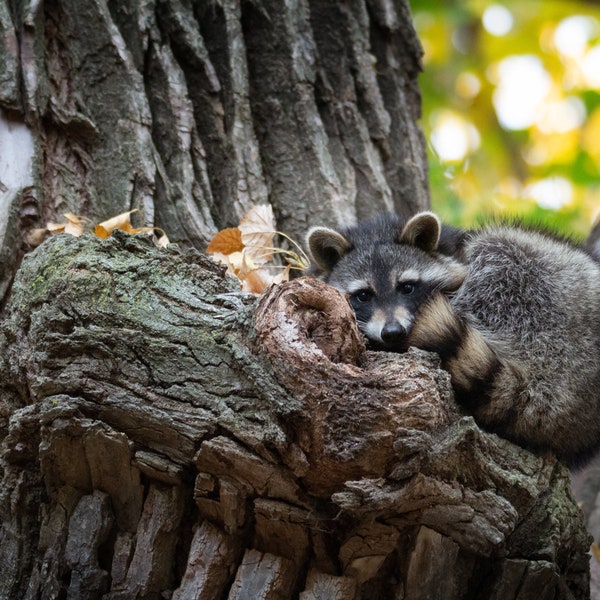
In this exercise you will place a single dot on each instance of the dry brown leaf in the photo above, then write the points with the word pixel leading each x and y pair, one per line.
pixel 73 225
pixel 36 236
pixel 237 263
pixel 121 221
pixel 73 218
pixel 55 227
pixel 75 229
pixel 596 552
pixel 259 280
pixel 163 241
pixel 256 281
pixel 284 275
pixel 100 232
pixel 247 249
pixel 226 241
pixel 241 264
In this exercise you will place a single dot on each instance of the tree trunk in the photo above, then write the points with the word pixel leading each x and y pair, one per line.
pixel 170 435
pixel 194 111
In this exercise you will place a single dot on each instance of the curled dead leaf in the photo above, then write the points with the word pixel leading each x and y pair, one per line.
pixel 256 281
pixel 75 225
pixel 258 230
pixel 36 236
pixel 122 222
pixel 248 251
pixel 163 241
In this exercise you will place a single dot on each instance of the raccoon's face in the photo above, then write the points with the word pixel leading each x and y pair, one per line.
pixel 385 285
pixel 386 279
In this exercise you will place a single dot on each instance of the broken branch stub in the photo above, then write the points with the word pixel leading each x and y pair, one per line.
pixel 359 405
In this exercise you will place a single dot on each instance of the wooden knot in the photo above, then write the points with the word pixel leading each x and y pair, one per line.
pixel 309 318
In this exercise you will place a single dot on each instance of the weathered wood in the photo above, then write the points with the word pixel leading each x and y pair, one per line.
pixel 434 554
pixel 229 447
pixel 150 570
pixel 320 586
pixel 89 527
pixel 210 564
pixel 209 441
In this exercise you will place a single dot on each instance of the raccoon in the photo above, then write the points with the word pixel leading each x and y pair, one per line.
pixel 388 268
pixel 515 320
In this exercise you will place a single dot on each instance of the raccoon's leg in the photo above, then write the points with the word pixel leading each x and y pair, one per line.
pixel 472 363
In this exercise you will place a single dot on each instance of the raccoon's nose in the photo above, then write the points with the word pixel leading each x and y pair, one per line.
pixel 392 333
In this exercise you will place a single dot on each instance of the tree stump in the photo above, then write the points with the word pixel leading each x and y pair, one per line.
pixel 166 435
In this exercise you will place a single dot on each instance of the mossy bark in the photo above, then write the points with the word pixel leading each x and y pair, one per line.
pixel 167 434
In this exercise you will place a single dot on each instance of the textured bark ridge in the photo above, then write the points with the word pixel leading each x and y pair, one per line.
pixel 167 435
pixel 194 111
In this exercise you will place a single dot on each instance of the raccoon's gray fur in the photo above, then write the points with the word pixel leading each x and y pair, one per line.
pixel 388 268
pixel 519 335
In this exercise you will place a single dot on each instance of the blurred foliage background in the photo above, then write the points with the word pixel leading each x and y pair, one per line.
pixel 511 109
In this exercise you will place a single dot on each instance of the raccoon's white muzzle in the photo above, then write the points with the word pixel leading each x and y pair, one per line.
pixel 388 327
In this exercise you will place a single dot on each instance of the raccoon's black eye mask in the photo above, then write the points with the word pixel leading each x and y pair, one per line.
pixel 407 287
pixel 365 295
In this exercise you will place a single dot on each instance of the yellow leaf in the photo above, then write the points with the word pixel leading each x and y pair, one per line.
pixel 121 221
pixel 246 249
pixel 226 241
pixel 73 225
pixel 258 230
pixel 241 264
pixel 101 232
pixel 36 236
pixel 238 263
pixel 75 229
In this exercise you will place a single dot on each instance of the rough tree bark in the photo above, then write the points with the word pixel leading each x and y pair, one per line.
pixel 170 435
pixel 163 433
pixel 193 111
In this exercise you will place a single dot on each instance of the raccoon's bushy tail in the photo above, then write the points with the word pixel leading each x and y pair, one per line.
pixel 506 392
pixel 472 363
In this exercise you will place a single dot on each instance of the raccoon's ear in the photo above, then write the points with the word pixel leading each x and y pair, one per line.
pixel 423 231
pixel 326 246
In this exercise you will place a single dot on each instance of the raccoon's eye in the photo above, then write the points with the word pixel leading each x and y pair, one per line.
pixel 362 295
pixel 406 287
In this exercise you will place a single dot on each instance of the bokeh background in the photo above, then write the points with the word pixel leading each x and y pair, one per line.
pixel 511 109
